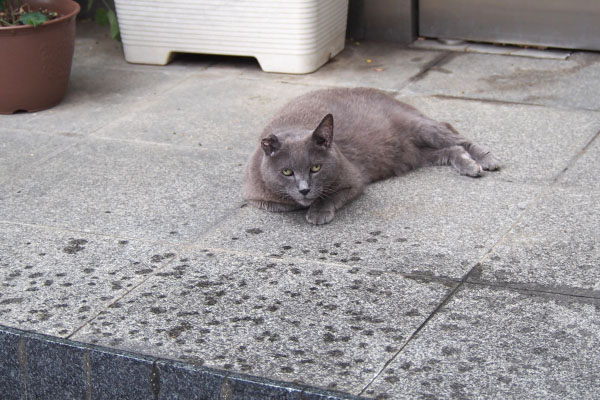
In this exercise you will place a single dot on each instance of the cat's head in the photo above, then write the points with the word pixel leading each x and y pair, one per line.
pixel 300 164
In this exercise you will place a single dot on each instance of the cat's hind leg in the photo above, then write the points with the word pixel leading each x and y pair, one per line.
pixel 443 137
pixel 480 154
pixel 456 156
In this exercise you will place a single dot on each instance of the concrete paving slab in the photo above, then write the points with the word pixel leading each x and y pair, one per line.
pixel 571 83
pixel 328 325
pixel 430 222
pixel 498 343
pixel 126 189
pixel 584 171
pixel 22 150
pixel 97 96
pixel 554 247
pixel 194 115
pixel 534 144
pixel 53 282
pixel 16 121
pixel 385 66
pixel 94 47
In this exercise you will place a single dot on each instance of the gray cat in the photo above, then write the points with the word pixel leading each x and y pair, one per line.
pixel 300 163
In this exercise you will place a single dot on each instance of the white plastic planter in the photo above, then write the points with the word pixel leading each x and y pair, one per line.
pixel 290 36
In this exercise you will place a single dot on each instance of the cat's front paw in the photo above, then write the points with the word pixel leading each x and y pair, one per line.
pixel 320 215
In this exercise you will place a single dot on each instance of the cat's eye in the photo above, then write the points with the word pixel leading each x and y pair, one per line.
pixel 315 168
pixel 287 172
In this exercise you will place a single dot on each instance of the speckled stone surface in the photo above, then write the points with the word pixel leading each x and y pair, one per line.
pixel 554 247
pixel 329 325
pixel 427 223
pixel 128 189
pixel 498 343
pixel 583 170
pixel 22 150
pixel 130 267
pixel 54 282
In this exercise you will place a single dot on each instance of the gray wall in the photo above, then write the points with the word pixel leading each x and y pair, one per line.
pixel 383 20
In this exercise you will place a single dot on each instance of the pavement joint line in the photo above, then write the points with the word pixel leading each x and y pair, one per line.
pixel 445 301
pixel 87 365
pixel 414 335
pixel 22 355
pixel 226 215
pixel 286 80
pixel 125 294
pixel 502 102
pixel 412 276
pixel 442 59
pixel 545 190
pixel 132 67
pixel 141 104
pixel 37 163
pixel 176 247
pixel 576 157
pixel 464 280
pixel 179 248
pixel 165 144
pixel 82 232
pixel 539 290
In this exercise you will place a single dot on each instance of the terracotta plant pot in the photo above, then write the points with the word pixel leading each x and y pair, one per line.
pixel 36 62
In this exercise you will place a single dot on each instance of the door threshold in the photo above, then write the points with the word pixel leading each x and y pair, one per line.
pixel 485 48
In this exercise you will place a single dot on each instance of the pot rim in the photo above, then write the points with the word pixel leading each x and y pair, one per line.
pixel 55 21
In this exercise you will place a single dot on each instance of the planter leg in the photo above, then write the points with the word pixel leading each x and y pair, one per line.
pixel 147 54
pixel 301 64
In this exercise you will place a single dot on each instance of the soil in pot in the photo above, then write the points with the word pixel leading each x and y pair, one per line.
pixel 24 14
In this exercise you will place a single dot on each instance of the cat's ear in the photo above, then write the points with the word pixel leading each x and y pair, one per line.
pixel 323 135
pixel 270 145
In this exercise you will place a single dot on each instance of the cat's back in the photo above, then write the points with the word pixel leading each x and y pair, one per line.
pixel 356 111
pixel 368 124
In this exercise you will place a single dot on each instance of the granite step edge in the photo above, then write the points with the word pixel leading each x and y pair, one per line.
pixel 42 366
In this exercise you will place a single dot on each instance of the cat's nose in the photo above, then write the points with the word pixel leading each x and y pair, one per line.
pixel 304 191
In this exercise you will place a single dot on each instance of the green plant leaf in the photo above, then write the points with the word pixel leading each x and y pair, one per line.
pixel 115 33
pixel 33 18
pixel 90 5
pixel 101 17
